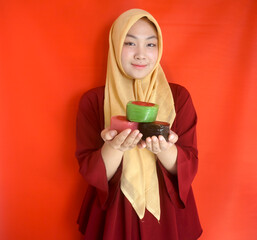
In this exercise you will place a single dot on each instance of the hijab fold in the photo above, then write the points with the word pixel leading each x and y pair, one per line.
pixel 139 180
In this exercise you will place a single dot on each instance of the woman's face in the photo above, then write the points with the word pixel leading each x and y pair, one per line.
pixel 140 49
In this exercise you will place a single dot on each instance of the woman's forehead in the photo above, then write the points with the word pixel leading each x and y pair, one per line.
pixel 143 26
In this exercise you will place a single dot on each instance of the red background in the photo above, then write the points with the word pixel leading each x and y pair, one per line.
pixel 53 51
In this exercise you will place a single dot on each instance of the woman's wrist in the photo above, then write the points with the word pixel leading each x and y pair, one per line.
pixel 168 159
pixel 111 158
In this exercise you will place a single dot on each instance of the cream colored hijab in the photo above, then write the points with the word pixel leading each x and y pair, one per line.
pixel 139 181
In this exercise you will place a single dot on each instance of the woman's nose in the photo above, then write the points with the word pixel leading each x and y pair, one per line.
pixel 140 53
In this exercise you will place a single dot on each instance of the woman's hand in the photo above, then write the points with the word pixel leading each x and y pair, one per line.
pixel 114 147
pixel 166 151
pixel 159 144
pixel 123 141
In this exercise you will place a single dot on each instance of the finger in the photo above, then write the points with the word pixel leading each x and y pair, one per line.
pixel 108 135
pixel 155 144
pixel 120 138
pixel 141 144
pixel 130 139
pixel 103 133
pixel 162 143
pixel 149 143
pixel 173 137
pixel 137 139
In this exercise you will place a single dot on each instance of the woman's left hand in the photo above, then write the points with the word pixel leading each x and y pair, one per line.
pixel 159 144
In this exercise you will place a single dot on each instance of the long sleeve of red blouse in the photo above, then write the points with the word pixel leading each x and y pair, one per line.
pixel 90 123
pixel 184 126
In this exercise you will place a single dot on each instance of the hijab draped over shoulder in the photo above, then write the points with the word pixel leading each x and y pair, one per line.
pixel 139 181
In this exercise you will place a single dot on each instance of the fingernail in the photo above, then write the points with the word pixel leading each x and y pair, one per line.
pixel 136 132
pixel 112 133
pixel 128 131
pixel 172 136
pixel 161 138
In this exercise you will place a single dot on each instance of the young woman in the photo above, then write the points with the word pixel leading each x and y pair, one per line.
pixel 137 189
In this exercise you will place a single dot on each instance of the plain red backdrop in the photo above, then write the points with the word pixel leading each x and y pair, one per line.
pixel 53 51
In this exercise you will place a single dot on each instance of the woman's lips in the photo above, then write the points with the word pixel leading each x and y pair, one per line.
pixel 140 66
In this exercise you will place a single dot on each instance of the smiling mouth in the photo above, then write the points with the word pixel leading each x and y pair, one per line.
pixel 140 66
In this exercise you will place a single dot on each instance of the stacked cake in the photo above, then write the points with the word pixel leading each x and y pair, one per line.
pixel 141 116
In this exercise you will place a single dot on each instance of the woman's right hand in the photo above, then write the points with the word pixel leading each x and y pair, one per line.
pixel 123 141
pixel 114 147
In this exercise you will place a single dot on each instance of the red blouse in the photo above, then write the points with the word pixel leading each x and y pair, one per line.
pixel 105 212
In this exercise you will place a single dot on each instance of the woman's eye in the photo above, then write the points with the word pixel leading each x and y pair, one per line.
pixel 129 44
pixel 151 45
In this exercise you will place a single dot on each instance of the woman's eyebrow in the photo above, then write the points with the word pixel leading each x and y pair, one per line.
pixel 132 36
pixel 151 37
